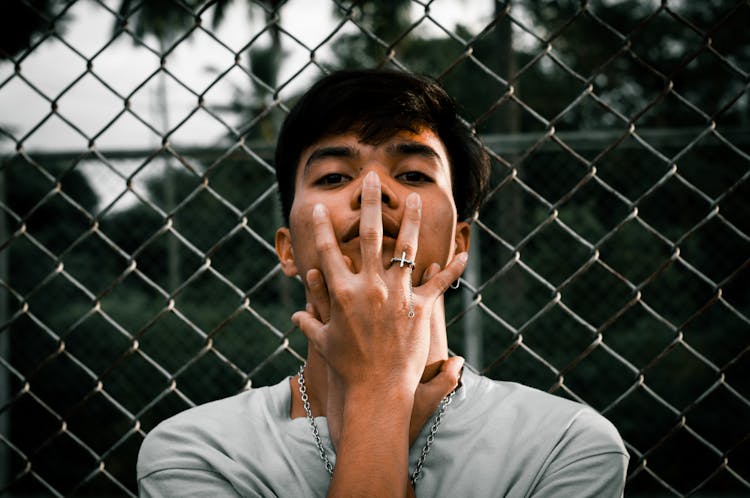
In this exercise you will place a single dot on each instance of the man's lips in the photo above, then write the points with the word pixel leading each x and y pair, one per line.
pixel 390 229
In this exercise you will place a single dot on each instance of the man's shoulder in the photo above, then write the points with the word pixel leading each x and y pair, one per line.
pixel 512 397
pixel 188 438
pixel 538 414
pixel 559 447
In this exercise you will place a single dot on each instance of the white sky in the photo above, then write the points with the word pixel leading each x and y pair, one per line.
pixel 59 73
pixel 90 106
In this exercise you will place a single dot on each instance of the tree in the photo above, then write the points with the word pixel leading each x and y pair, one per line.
pixel 21 22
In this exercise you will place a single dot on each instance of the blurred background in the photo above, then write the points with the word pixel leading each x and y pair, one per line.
pixel 609 264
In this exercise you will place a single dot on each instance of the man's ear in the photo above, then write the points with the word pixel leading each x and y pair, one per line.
pixel 463 236
pixel 285 252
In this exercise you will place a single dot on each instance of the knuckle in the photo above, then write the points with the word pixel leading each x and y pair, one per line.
pixel 344 295
pixel 319 294
pixel 412 215
pixel 370 234
pixel 370 196
pixel 324 244
pixel 441 281
pixel 447 385
pixel 313 280
pixel 319 223
pixel 409 248
pixel 452 378
pixel 375 294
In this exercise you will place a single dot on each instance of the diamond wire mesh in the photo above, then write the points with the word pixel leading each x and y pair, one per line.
pixel 610 261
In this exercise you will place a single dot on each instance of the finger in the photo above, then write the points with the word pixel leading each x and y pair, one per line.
pixel 429 394
pixel 311 327
pixel 371 223
pixel 444 382
pixel 440 282
pixel 450 373
pixel 319 294
pixel 430 272
pixel 329 253
pixel 349 263
pixel 408 235
pixel 311 309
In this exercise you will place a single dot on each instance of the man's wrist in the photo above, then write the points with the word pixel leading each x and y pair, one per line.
pixel 379 397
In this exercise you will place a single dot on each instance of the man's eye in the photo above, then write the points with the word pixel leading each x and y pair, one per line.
pixel 414 177
pixel 333 179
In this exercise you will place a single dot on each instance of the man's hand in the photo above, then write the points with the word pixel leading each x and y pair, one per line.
pixel 374 350
pixel 429 392
pixel 369 340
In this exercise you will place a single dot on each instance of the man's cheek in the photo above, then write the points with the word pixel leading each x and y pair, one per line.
pixel 436 235
pixel 438 243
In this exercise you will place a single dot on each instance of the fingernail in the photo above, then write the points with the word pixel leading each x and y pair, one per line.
pixel 313 278
pixel 371 179
pixel 462 257
pixel 433 269
pixel 414 201
pixel 319 210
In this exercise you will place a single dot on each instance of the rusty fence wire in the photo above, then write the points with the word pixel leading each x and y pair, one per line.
pixel 610 263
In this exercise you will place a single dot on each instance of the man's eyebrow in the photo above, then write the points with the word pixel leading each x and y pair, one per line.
pixel 412 149
pixel 329 151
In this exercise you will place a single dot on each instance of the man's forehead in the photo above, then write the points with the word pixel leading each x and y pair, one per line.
pixel 401 142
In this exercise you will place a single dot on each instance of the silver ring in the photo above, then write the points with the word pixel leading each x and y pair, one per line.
pixel 403 261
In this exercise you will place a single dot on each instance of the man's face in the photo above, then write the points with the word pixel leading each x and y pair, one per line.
pixel 331 171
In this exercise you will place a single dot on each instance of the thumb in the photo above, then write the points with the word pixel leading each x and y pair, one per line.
pixel 443 383
pixel 449 375
pixel 430 272
pixel 428 395
pixel 310 326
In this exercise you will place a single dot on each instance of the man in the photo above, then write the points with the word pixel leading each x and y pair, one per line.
pixel 377 177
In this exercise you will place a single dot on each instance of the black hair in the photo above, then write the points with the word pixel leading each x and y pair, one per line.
pixel 376 104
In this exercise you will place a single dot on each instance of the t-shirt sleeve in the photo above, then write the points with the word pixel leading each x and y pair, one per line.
pixel 174 460
pixel 184 483
pixel 590 460
pixel 166 469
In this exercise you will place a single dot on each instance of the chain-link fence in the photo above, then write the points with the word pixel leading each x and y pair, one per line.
pixel 610 263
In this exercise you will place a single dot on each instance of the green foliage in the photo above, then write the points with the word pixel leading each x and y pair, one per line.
pixel 21 22
pixel 116 320
pixel 385 20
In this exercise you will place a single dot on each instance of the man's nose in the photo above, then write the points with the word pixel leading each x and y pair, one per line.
pixel 387 195
pixel 384 196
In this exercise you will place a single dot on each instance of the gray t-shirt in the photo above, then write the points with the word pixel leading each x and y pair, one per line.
pixel 496 439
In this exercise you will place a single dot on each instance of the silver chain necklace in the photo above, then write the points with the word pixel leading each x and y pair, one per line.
pixel 319 444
